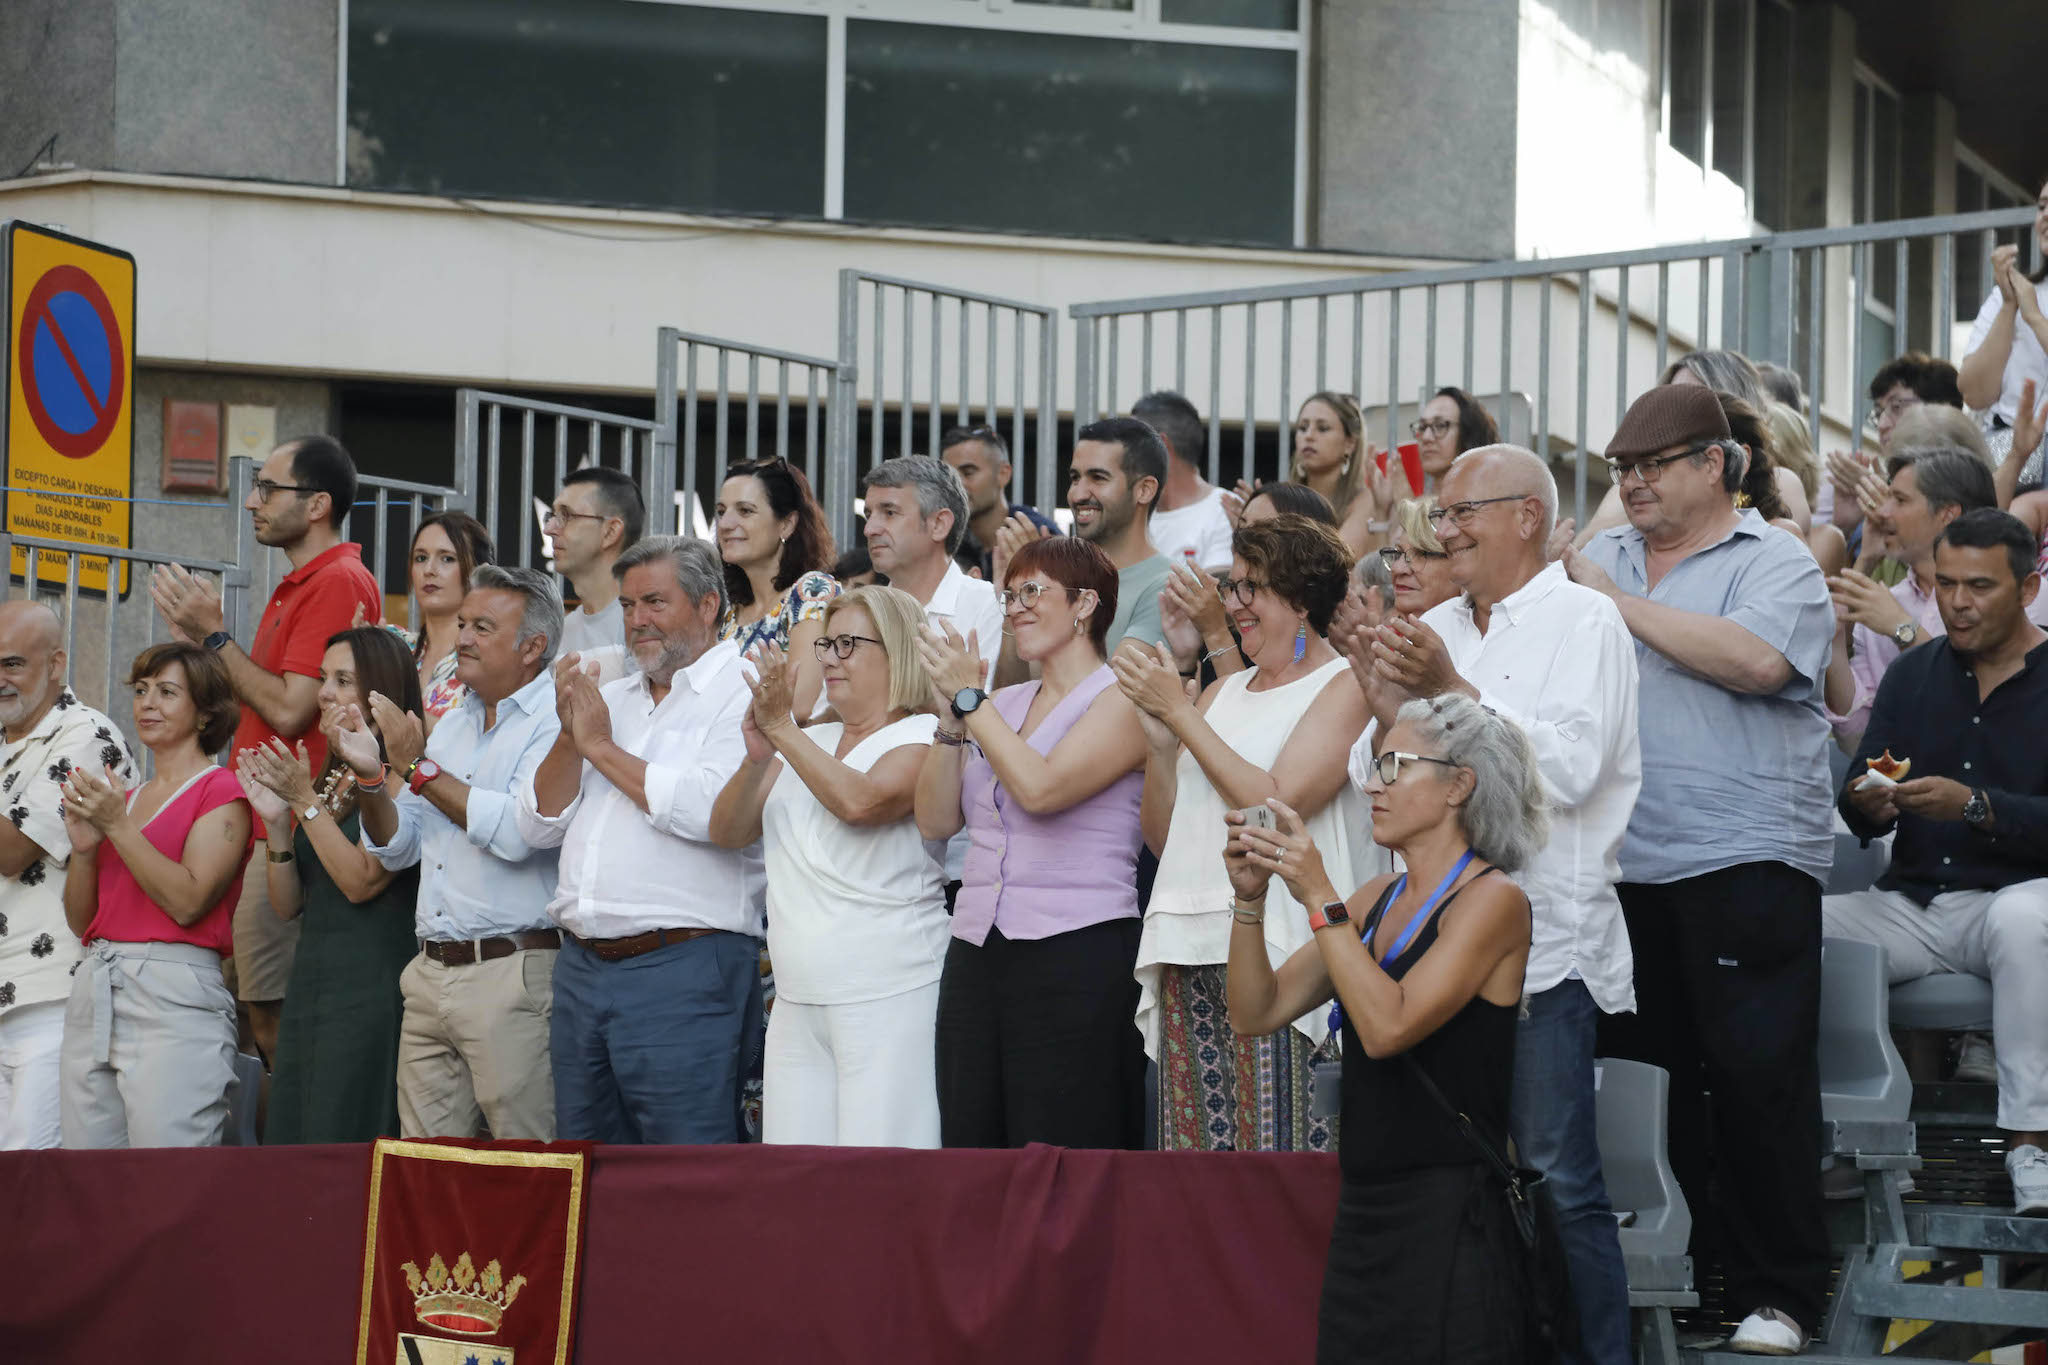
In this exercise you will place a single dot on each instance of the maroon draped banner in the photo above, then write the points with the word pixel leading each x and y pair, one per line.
pixel 1042 1255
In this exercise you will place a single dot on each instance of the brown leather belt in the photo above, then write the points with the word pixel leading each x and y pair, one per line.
pixel 463 952
pixel 633 945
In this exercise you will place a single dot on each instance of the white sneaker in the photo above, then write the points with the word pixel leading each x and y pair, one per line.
pixel 1977 1061
pixel 2028 1167
pixel 1768 1332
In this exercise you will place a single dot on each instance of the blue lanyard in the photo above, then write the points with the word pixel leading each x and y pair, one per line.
pixel 1415 922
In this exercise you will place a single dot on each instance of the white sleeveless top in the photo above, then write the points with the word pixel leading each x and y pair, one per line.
pixel 1188 921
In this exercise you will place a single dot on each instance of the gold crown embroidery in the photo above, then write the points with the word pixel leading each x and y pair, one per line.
pixel 461 1300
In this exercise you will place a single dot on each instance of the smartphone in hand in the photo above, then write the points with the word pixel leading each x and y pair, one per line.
pixel 1258 817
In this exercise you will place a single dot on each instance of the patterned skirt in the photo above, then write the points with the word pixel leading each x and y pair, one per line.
pixel 1222 1093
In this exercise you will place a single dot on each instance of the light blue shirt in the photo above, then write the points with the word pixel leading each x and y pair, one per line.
pixel 486 880
pixel 1728 777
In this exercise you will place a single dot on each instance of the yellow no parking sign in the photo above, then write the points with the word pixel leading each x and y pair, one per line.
pixel 68 428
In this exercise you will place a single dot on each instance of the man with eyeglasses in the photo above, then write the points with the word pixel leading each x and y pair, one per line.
pixel 981 457
pixel 597 516
pixel 1729 846
pixel 1555 658
pixel 298 503
pixel 657 993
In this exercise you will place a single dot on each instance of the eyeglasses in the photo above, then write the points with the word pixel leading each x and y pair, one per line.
pixel 265 487
pixel 1243 589
pixel 1387 767
pixel 1460 514
pixel 842 645
pixel 1431 426
pixel 1650 468
pixel 1027 595
pixel 555 516
pixel 1896 406
pixel 1394 557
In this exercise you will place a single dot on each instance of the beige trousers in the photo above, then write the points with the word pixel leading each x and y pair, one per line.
pixel 474 1047
pixel 264 944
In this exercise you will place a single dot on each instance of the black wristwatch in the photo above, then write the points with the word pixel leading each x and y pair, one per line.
pixel 1977 809
pixel 966 700
pixel 214 642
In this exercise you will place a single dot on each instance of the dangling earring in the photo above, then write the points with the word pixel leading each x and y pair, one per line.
pixel 1300 640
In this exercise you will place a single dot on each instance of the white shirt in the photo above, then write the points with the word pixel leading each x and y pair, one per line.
pixel 483 878
pixel 854 913
pixel 970 605
pixel 1557 660
pixel 2027 360
pixel 625 870
pixel 1202 526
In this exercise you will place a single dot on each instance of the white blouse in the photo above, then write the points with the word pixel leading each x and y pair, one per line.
pixel 854 913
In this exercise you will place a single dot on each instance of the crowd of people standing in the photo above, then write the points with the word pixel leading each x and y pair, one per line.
pixel 1381 778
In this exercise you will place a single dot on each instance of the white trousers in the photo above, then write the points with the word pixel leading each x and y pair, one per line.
pixel 858 1075
pixel 149 1048
pixel 31 1036
pixel 2001 935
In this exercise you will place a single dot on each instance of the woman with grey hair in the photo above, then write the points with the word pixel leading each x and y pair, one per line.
pixel 1426 969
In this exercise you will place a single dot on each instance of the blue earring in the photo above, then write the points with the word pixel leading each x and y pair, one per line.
pixel 1300 641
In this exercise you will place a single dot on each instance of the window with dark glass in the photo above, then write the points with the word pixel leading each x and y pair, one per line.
pixel 1045 132
pixel 591 101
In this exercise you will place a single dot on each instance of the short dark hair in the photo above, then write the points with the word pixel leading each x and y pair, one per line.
pixel 1948 478
pixel 322 464
pixel 1933 380
pixel 1144 451
pixel 213 695
pixel 1179 425
pixel 618 495
pixel 1297 499
pixel 1986 528
pixel 1476 426
pixel 1305 562
pixel 987 435
pixel 855 562
pixel 809 547
pixel 1074 563
pixel 1782 385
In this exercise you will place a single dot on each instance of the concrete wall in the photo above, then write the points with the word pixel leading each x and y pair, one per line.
pixel 1415 138
pixel 242 88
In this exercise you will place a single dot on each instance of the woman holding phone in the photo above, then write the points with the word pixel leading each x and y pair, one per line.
pixel 1426 969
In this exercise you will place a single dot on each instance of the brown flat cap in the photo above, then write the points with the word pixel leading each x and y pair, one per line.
pixel 1668 415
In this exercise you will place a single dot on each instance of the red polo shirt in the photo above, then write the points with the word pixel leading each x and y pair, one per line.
pixel 310 605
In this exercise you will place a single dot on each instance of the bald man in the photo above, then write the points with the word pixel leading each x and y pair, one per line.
pixel 1557 659
pixel 48 732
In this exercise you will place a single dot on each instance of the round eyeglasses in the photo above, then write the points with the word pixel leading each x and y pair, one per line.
pixel 842 645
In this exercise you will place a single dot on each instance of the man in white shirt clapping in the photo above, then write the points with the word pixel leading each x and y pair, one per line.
pixel 657 997
pixel 1557 659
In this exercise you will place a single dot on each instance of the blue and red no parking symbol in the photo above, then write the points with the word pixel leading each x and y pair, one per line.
pixel 72 360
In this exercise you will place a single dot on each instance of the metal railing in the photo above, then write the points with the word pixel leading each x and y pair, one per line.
pixel 370 524
pixel 904 400
pixel 497 484
pixel 684 363
pixel 1581 336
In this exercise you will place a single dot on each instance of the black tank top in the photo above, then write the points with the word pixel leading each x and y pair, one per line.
pixel 1390 1123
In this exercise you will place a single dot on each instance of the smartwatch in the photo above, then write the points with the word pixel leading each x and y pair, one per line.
pixel 1333 913
pixel 216 641
pixel 966 700
pixel 423 772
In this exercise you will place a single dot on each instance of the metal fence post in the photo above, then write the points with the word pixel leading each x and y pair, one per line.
pixel 1778 327
pixel 661 461
pixel 1048 409
pixel 242 619
pixel 468 414
pixel 843 419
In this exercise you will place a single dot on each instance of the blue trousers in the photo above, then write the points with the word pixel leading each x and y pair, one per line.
pixel 652 1049
pixel 1553 1121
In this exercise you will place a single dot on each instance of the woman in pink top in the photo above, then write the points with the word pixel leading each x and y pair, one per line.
pixel 1035 1035
pixel 149 1033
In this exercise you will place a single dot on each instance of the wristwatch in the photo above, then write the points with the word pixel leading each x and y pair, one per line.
pixel 1333 913
pixel 1977 809
pixel 312 813
pixel 966 700
pixel 424 770
pixel 214 642
pixel 1905 633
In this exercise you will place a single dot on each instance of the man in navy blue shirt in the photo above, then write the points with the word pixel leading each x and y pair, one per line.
pixel 1967 889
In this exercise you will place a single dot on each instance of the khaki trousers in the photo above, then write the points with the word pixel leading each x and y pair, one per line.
pixel 473 1048
pixel 264 944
